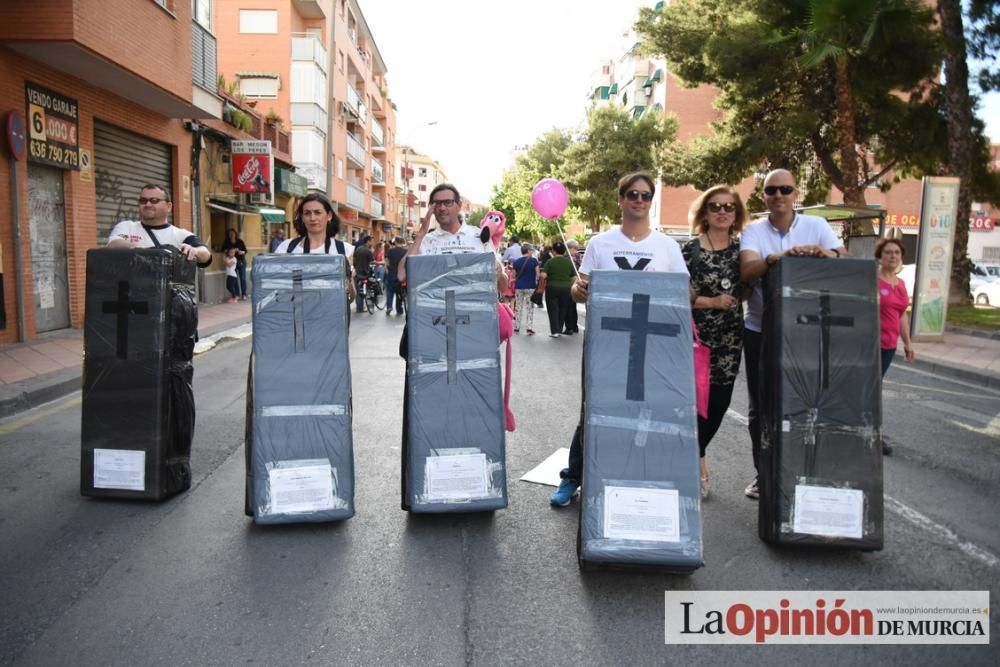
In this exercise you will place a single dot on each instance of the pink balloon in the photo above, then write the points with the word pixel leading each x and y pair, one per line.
pixel 549 198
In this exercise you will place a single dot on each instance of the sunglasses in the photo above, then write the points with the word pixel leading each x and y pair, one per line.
pixel 150 200
pixel 443 202
pixel 772 190
pixel 635 195
pixel 717 207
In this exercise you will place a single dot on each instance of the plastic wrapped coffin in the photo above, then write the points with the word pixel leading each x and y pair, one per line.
pixel 641 504
pixel 821 458
pixel 299 447
pixel 454 456
pixel 138 403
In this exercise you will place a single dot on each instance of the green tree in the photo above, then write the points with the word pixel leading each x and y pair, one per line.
pixel 613 144
pixel 543 159
pixel 836 87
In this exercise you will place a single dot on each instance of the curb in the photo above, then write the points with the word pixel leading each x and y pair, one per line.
pixel 36 391
pixel 978 333
pixel 955 372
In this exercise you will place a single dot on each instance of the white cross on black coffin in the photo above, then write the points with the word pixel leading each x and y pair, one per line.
pixel 821 457
pixel 299 444
pixel 453 441
pixel 641 503
pixel 138 403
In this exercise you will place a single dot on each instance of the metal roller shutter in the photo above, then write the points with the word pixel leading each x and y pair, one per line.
pixel 123 163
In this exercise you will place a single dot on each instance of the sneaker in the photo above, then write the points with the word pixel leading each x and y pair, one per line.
pixel 231 299
pixel 562 496
pixel 517 331
pixel 753 490
pixel 531 332
pixel 555 335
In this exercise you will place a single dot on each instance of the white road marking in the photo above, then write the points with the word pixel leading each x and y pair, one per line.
pixel 946 535
pixel 236 333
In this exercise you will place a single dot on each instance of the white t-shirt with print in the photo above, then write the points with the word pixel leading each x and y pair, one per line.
pixel 464 241
pixel 612 250
pixel 764 239
pixel 137 236
pixel 313 250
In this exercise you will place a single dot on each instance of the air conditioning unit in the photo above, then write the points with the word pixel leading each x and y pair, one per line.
pixel 261 198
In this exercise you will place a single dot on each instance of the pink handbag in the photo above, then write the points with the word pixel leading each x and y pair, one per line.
pixel 702 373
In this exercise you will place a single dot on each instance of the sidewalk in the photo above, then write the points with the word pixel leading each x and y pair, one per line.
pixel 51 366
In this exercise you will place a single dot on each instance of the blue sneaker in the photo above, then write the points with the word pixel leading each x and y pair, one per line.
pixel 562 496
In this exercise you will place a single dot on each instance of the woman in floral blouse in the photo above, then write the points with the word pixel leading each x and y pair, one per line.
pixel 713 259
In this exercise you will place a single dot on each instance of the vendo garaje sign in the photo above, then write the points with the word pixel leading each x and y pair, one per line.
pixel 253 166
pixel 53 127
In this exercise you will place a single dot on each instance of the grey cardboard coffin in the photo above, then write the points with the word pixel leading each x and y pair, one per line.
pixel 454 456
pixel 138 408
pixel 821 455
pixel 300 453
pixel 641 503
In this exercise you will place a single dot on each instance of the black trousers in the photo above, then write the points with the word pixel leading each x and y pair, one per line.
pixel 751 356
pixel 719 397
pixel 557 300
pixel 572 323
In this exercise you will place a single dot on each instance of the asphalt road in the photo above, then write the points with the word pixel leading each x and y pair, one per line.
pixel 192 581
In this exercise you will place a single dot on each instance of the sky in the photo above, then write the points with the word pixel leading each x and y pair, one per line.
pixel 473 79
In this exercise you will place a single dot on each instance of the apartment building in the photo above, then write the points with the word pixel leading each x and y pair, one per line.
pixel 313 66
pixel 418 174
pixel 101 115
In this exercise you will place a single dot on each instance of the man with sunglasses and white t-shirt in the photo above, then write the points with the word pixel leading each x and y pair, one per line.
pixel 634 246
pixel 153 230
pixel 762 244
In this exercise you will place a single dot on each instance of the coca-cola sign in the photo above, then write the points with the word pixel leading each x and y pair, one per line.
pixel 253 166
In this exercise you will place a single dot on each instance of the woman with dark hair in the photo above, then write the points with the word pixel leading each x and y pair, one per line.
pixel 316 224
pixel 558 275
pixel 234 242
pixel 893 301
pixel 713 261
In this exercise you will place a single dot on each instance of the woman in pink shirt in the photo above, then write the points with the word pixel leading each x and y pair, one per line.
pixel 892 304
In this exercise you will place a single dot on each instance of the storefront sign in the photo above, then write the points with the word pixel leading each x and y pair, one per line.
pixel 938 212
pixel 253 166
pixel 53 127
pixel 291 183
pixel 981 224
pixel 902 220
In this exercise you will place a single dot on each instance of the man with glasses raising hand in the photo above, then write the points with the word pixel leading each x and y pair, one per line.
pixel 153 230
pixel 762 244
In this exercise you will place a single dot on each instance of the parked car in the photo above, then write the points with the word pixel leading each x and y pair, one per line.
pixel 989 271
pixel 908 275
pixel 978 277
pixel 987 294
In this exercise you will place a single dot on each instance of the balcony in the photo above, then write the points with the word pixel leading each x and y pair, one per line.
pixel 378 136
pixel 356 151
pixel 356 197
pixel 309 114
pixel 376 208
pixel 378 173
pixel 239 121
pixel 307 48
pixel 309 9
pixel 356 106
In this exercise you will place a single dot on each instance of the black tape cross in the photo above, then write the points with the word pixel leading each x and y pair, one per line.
pixel 639 327
pixel 122 307
pixel 451 320
pixel 825 320
pixel 297 297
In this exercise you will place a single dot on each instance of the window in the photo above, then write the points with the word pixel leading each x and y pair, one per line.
pixel 259 85
pixel 259 21
pixel 201 11
pixel 340 60
pixel 421 188
pixel 422 171
pixel 340 168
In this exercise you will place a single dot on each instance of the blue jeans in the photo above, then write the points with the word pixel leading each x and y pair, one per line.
pixel 241 273
pixel 887 356
pixel 391 290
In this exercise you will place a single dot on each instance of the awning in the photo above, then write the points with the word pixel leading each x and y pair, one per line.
pixel 229 208
pixel 272 214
